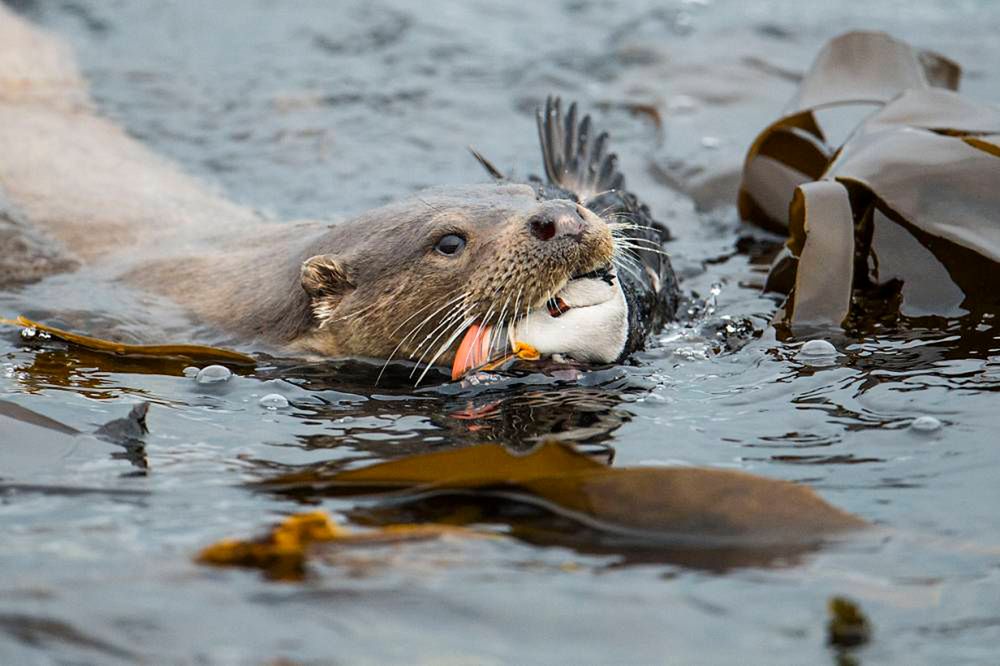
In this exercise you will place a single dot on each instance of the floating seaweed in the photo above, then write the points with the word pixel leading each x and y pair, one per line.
pixel 192 353
pixel 282 553
pixel 902 216
pixel 555 494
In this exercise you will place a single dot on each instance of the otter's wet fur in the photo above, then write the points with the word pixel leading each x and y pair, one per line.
pixel 348 288
pixel 373 286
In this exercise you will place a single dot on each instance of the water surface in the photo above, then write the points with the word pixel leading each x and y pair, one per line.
pixel 321 110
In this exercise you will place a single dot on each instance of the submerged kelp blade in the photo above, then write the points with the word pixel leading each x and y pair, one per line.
pixel 195 353
pixel 822 234
pixel 654 506
pixel 697 505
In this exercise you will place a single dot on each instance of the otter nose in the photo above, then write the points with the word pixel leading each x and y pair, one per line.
pixel 557 223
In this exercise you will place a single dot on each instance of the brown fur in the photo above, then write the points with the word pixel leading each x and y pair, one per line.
pixel 368 287
pixel 391 272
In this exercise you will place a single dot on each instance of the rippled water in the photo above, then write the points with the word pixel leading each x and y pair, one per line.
pixel 325 109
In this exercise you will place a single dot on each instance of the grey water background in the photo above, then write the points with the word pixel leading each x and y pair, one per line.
pixel 321 110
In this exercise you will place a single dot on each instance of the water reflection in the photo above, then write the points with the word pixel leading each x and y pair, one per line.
pixel 516 410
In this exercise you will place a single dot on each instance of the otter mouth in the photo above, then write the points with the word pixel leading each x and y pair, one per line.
pixel 477 348
pixel 605 273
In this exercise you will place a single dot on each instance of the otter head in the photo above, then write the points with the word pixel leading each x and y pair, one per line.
pixel 472 268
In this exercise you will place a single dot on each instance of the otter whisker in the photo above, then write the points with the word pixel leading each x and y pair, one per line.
pixel 514 317
pixel 445 346
pixel 495 334
pixel 517 301
pixel 628 270
pixel 443 327
pixel 416 328
pixel 619 226
pixel 627 220
pixel 482 326
pixel 608 207
pixel 456 326
pixel 457 311
pixel 628 255
pixel 616 233
pixel 626 264
pixel 633 268
pixel 643 248
pixel 452 304
pixel 644 243
pixel 360 314
pixel 431 304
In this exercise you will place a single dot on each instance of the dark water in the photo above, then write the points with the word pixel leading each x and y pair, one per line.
pixel 325 109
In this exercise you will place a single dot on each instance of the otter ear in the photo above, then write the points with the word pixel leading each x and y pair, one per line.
pixel 323 275
pixel 326 281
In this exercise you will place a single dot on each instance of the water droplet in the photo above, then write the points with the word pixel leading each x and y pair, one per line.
pixel 273 401
pixel 191 371
pixel 29 333
pixel 213 374
pixel 925 424
pixel 818 352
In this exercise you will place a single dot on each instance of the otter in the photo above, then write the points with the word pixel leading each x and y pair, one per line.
pixel 570 265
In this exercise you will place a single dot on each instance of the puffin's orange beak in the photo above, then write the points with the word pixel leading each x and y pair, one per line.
pixel 473 351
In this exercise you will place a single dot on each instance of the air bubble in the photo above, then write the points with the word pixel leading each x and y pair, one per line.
pixel 273 401
pixel 818 352
pixel 817 348
pixel 29 333
pixel 213 374
pixel 925 424
pixel 191 371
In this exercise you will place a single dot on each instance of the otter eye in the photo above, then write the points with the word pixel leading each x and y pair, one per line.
pixel 450 245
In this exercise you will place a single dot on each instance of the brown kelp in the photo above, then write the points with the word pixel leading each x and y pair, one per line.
pixel 282 553
pixel 707 518
pixel 182 352
pixel 904 214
